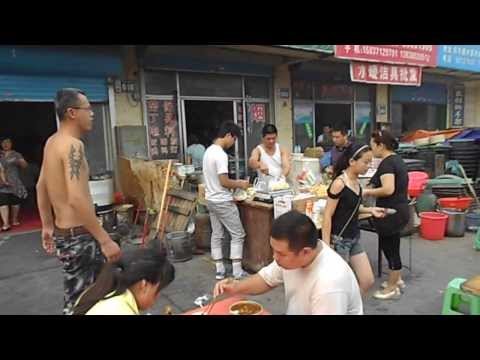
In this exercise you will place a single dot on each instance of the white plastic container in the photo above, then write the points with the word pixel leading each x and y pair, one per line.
pixel 102 192
pixel 282 205
pixel 299 165
pixel 297 156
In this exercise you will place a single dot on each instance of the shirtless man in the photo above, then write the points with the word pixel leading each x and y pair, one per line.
pixel 82 244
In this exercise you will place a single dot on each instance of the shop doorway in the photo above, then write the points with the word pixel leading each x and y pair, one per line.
pixel 29 125
pixel 333 115
pixel 203 119
pixel 423 117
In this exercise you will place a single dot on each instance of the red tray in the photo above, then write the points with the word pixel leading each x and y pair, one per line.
pixel 455 203
pixel 221 308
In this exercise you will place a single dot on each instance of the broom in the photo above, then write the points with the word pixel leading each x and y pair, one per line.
pixel 162 204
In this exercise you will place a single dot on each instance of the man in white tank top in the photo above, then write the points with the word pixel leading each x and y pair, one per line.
pixel 269 158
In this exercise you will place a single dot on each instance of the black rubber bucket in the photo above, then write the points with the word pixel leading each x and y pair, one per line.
pixel 179 246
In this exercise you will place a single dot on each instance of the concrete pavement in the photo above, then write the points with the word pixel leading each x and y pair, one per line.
pixel 31 281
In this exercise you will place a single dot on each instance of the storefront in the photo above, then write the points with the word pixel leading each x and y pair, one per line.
pixel 186 94
pixel 324 95
pixel 418 108
pixel 462 64
pixel 29 79
pixel 409 99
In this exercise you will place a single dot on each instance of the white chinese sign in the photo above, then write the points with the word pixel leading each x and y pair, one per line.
pixel 385 74
pixel 458 106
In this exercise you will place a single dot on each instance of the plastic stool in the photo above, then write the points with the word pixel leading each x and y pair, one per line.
pixel 454 296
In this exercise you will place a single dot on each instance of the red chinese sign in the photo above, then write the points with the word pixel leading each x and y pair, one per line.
pixel 419 55
pixel 386 74
pixel 258 113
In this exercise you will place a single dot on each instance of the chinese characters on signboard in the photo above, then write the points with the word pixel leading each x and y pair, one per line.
pixel 458 108
pixel 460 57
pixel 163 129
pixel 418 55
pixel 257 113
pixel 385 74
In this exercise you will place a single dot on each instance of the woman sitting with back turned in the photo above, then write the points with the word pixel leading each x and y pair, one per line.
pixel 127 286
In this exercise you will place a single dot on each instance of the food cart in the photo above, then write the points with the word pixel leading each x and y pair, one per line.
pixel 259 209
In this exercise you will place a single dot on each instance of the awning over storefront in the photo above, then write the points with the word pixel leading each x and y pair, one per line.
pixel 44 88
pixel 428 93
pixel 207 59
pixel 75 61
pixel 328 49
pixel 35 73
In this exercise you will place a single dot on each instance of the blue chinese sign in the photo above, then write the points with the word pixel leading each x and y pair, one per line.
pixel 459 57
pixel 458 106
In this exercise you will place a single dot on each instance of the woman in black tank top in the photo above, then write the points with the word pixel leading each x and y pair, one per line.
pixel 390 184
pixel 340 219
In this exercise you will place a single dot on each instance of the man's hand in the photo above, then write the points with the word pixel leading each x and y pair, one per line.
pixel 111 250
pixel 243 184
pixel 47 240
pixel 225 286
pixel 263 168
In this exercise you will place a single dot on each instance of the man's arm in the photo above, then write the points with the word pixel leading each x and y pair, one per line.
pixel 79 198
pixel 233 184
pixel 286 165
pixel 46 216
pixel 253 285
pixel 43 201
pixel 255 163
pixel 266 279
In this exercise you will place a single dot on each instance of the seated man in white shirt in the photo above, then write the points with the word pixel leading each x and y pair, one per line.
pixel 317 280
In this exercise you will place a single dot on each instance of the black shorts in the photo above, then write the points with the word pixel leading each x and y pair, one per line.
pixel 9 199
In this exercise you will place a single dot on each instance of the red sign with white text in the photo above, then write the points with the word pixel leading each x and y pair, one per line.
pixel 418 55
pixel 386 74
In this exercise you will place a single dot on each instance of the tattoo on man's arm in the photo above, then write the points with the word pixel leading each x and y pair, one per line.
pixel 75 159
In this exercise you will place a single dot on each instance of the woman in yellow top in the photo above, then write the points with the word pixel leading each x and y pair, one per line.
pixel 128 286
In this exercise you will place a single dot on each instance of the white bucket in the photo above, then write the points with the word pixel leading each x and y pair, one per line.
pixel 102 192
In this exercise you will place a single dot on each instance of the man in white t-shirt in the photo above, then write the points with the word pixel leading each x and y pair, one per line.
pixel 317 280
pixel 223 211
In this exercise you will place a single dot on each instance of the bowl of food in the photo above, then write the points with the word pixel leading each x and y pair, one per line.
pixel 251 192
pixel 240 195
pixel 246 307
